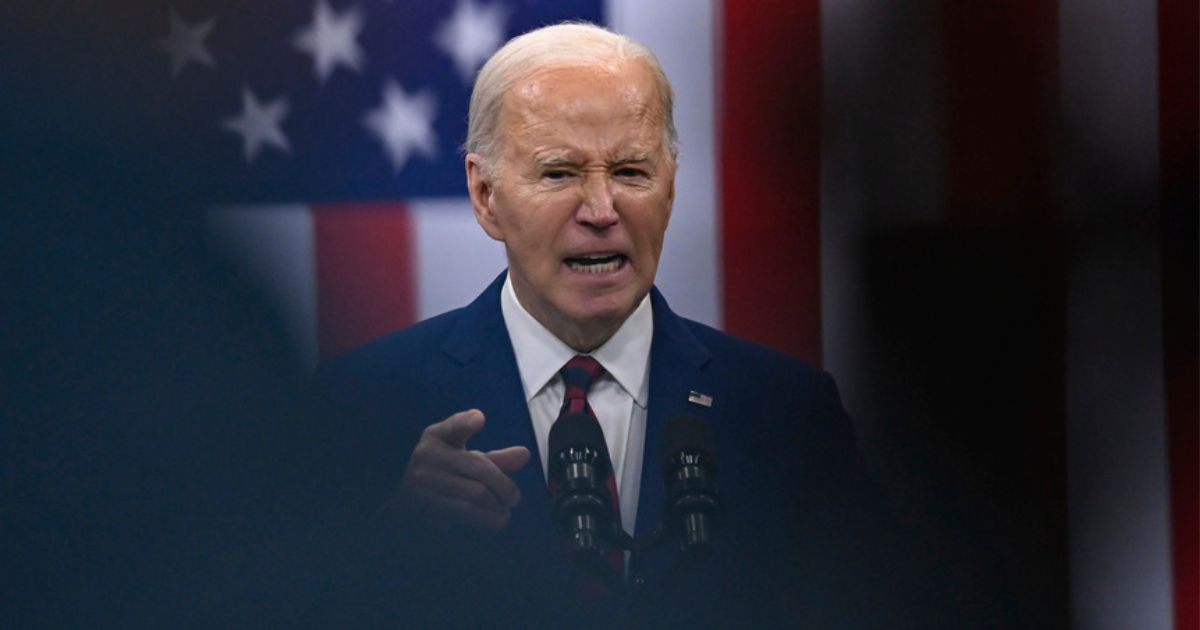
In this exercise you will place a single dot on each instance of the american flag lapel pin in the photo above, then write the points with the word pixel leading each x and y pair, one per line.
pixel 696 398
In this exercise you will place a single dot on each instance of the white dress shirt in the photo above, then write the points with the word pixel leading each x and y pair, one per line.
pixel 618 397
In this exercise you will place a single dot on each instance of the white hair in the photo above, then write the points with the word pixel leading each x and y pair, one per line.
pixel 567 44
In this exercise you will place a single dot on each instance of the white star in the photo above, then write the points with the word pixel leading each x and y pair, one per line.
pixel 186 43
pixel 259 124
pixel 331 39
pixel 404 123
pixel 471 35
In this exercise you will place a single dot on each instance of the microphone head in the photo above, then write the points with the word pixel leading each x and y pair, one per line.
pixel 687 433
pixel 693 508
pixel 579 500
pixel 577 431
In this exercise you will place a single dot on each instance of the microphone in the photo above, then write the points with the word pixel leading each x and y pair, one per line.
pixel 693 509
pixel 580 501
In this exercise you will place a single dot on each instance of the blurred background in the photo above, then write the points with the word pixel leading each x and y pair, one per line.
pixel 980 217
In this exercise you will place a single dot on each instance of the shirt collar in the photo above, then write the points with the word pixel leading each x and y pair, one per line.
pixel 540 355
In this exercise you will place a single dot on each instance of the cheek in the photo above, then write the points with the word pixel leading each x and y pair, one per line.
pixel 534 235
pixel 650 223
pixel 521 220
pixel 547 218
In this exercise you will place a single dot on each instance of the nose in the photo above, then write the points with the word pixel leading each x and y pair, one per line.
pixel 596 208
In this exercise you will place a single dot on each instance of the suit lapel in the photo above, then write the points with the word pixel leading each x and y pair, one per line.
pixel 677 369
pixel 490 381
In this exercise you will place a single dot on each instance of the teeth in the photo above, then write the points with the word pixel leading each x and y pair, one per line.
pixel 596 256
pixel 595 268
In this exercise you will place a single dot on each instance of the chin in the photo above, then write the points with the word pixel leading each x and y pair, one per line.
pixel 606 309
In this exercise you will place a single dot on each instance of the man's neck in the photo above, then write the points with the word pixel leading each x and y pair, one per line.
pixel 582 337
pixel 541 354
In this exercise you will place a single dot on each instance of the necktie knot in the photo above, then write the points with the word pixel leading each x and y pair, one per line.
pixel 580 373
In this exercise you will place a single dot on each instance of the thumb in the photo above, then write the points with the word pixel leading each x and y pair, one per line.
pixel 509 459
pixel 458 428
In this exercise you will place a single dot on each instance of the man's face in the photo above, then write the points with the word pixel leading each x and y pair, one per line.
pixel 582 196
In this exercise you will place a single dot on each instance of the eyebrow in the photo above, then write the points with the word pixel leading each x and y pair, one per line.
pixel 633 159
pixel 559 160
pixel 554 160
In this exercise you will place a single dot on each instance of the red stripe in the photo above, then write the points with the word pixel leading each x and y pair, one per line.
pixel 366 279
pixel 1002 98
pixel 1179 145
pixel 770 103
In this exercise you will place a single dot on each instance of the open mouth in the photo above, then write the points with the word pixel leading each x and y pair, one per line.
pixel 596 263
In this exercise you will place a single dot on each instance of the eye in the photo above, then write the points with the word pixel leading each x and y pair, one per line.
pixel 555 175
pixel 629 171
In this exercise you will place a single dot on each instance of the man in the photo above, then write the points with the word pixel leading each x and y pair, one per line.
pixel 571 157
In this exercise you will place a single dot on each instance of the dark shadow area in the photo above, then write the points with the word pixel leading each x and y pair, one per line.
pixel 967 329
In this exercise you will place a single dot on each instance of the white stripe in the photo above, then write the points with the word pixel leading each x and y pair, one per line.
pixel 1117 485
pixel 681 33
pixel 455 259
pixel 274 247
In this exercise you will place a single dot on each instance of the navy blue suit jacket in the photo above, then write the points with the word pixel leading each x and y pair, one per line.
pixel 784 447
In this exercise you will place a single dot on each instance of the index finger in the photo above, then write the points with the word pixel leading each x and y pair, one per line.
pixel 458 428
pixel 483 470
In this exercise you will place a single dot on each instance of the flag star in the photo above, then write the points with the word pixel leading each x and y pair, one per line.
pixel 258 124
pixel 471 35
pixel 186 43
pixel 332 40
pixel 404 123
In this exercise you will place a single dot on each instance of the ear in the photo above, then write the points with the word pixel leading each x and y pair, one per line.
pixel 671 193
pixel 482 197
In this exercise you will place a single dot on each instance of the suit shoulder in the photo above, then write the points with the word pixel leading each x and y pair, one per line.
pixel 401 350
pixel 746 354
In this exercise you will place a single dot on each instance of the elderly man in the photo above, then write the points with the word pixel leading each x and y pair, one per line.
pixel 571 164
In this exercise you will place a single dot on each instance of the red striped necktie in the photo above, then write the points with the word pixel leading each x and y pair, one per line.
pixel 578 376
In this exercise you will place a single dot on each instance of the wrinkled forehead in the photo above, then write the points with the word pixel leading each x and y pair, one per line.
pixel 576 94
